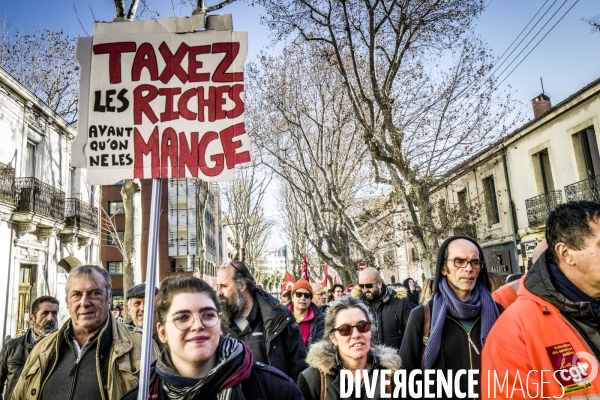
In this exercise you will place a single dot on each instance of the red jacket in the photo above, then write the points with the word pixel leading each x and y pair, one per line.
pixel 532 346
pixel 506 294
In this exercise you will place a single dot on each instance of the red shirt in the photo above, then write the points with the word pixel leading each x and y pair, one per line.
pixel 305 324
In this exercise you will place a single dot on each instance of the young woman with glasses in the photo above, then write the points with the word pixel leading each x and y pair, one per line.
pixel 345 345
pixel 200 362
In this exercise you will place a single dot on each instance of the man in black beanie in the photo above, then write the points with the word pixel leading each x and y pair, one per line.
pixel 456 321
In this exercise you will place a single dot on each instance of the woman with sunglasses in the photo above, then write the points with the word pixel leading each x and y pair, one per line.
pixel 346 345
pixel 198 361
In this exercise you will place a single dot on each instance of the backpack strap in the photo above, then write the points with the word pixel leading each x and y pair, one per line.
pixel 323 386
pixel 426 330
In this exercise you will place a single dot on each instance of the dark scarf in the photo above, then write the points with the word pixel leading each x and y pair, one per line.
pixel 570 291
pixel 234 365
pixel 445 302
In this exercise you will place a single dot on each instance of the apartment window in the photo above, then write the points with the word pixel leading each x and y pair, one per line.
pixel 589 152
pixel 113 238
pixel 30 159
pixel 116 208
pixel 115 267
pixel 491 203
pixel 462 200
pixel 544 171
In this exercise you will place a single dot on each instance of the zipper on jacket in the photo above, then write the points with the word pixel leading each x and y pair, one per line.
pixel 469 339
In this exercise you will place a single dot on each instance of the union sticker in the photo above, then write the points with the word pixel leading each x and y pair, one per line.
pixel 570 371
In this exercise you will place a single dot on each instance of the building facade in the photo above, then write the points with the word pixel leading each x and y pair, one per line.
pixel 48 215
pixel 188 243
pixel 505 193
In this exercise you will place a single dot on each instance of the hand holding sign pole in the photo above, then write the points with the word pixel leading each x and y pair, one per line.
pixel 160 99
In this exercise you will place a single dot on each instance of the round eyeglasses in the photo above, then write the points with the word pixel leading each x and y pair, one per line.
pixel 185 320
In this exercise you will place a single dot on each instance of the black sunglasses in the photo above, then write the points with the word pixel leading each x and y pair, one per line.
pixel 361 326
pixel 300 294
pixel 367 285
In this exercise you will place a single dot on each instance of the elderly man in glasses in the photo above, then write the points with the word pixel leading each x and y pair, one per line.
pixel 307 314
pixel 390 308
pixel 456 321
pixel 259 320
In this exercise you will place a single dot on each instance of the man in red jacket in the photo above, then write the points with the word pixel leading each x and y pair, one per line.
pixel 547 343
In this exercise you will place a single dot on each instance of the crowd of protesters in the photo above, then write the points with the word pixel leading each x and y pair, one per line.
pixel 239 342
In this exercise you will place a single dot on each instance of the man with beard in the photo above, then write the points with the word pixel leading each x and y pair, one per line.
pixel 259 320
pixel 390 308
pixel 42 321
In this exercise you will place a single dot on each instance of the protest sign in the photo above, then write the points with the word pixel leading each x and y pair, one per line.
pixel 161 104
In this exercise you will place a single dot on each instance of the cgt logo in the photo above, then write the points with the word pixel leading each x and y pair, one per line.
pixel 585 367
pixel 578 374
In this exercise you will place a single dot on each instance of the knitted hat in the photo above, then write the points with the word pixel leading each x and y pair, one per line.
pixel 302 284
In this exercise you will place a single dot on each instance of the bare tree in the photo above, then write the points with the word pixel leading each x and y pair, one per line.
pixel 44 61
pixel 300 117
pixel 418 82
pixel 245 214
pixel 132 202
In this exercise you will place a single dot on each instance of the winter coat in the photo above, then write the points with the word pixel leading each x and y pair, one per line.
pixel 317 324
pixel 542 330
pixel 456 352
pixel 459 349
pixel 12 360
pixel 506 294
pixel 391 315
pixel 323 360
pixel 274 333
pixel 122 370
pixel 264 383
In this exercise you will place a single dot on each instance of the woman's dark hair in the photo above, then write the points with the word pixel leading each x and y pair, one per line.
pixel 173 285
pixel 338 285
pixel 406 283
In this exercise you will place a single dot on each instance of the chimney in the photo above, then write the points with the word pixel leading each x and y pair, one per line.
pixel 540 105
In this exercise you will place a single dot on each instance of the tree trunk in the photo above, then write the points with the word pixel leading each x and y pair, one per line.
pixel 131 193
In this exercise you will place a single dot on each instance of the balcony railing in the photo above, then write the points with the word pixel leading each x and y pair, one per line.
pixel 81 215
pixel 35 196
pixel 588 189
pixel 7 184
pixel 539 207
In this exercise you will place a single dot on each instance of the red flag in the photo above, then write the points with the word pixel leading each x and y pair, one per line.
pixel 323 280
pixel 288 283
pixel 305 269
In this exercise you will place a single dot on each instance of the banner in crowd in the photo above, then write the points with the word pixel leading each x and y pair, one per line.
pixel 288 283
pixel 162 104
pixel 323 279
pixel 305 268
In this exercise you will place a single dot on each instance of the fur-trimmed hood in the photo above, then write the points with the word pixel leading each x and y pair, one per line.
pixel 399 293
pixel 322 356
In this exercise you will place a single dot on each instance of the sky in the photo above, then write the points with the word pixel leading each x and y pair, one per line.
pixel 567 59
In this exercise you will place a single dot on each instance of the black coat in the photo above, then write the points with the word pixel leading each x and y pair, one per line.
pixel 12 360
pixel 317 325
pixel 264 383
pixel 456 352
pixel 391 316
pixel 274 336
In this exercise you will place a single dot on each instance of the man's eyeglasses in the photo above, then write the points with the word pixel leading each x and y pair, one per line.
pixel 346 329
pixel 367 285
pixel 300 294
pixel 476 263
pixel 185 320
